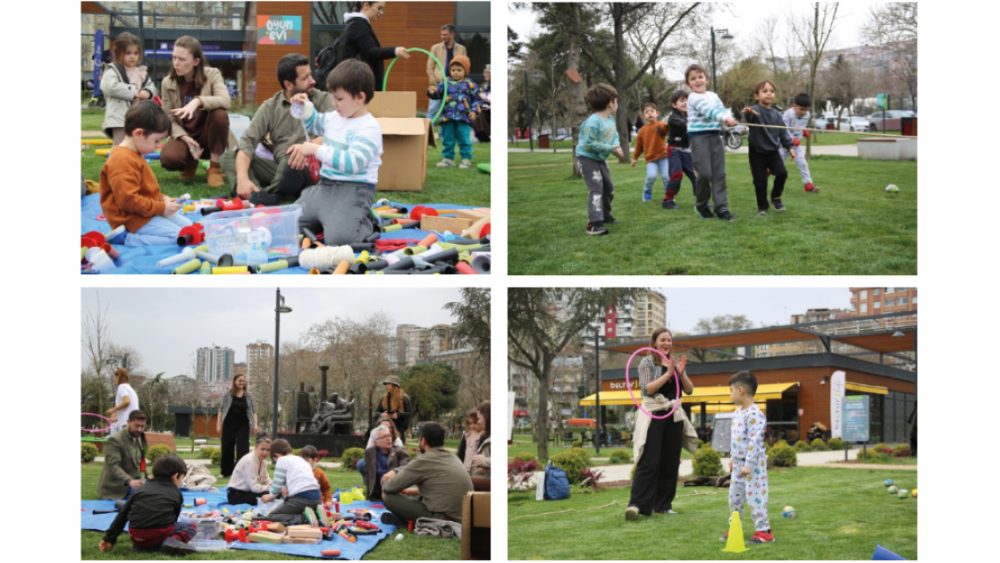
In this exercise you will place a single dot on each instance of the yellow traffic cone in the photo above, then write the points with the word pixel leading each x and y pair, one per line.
pixel 734 542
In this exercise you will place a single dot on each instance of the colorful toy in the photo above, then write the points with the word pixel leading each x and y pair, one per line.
pixel 788 511
pixel 892 188
pixel 893 489
pixel 330 553
pixel 913 493
pixel 887 482
pixel 903 493
pixel 883 554
pixel 192 234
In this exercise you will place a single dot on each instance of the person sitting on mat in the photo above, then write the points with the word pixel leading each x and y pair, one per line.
pixel 152 513
pixel 381 458
pixel 250 480
pixel 294 480
pixel 437 473
pixel 311 455
pixel 130 193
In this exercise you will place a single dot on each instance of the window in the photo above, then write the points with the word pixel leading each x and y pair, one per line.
pixel 877 291
pixel 863 294
pixel 877 305
pixel 889 302
pixel 864 307
pixel 914 300
pixel 902 301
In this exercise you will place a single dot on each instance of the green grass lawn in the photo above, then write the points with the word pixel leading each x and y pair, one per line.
pixel 841 514
pixel 411 547
pixel 524 444
pixel 443 185
pixel 851 227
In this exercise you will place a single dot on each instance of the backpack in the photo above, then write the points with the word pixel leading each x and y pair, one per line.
pixel 556 483
pixel 328 58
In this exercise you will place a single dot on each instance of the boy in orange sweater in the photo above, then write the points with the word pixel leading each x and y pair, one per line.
pixel 130 193
pixel 311 454
pixel 651 142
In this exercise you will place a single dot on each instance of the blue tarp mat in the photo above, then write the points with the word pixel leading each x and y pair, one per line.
pixel 143 259
pixel 216 499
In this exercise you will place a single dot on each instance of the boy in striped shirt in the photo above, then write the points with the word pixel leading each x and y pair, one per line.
pixel 705 114
pixel 350 156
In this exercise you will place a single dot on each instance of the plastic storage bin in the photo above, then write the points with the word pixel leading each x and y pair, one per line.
pixel 253 236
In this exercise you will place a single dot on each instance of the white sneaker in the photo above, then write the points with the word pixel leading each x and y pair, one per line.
pixel 466 163
pixel 446 163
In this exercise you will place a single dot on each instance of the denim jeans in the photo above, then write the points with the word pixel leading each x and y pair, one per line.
pixel 159 230
pixel 661 167
pixel 452 131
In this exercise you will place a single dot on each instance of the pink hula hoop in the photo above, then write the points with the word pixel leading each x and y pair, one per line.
pixel 96 430
pixel 628 385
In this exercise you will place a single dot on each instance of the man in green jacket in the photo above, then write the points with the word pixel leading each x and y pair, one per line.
pixel 124 459
pixel 438 473
pixel 259 166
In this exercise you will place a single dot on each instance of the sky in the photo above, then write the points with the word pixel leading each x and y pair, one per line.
pixel 770 306
pixel 167 325
pixel 742 20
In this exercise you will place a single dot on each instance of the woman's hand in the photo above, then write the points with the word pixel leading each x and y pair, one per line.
pixel 682 364
pixel 187 111
pixel 256 429
pixel 401 52
pixel 298 154
pixel 218 427
pixel 193 147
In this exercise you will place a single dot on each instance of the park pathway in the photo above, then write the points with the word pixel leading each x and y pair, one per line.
pixel 616 475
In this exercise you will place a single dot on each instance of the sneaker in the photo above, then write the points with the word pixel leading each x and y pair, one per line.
pixel 669 511
pixel 811 188
pixel 647 197
pixel 446 163
pixel 174 546
pixel 610 220
pixel 725 215
pixel 669 204
pixel 321 513
pixel 632 513
pixel 725 536
pixel 310 516
pixel 762 212
pixel 391 519
pixel 190 170
pixel 215 177
pixel 466 163
pixel 778 206
pixel 762 537
pixel 596 229
pixel 703 212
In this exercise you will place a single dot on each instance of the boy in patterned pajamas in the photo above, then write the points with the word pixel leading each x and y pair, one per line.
pixel 748 462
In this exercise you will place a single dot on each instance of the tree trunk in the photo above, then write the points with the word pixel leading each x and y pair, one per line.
pixel 618 68
pixel 575 90
pixel 542 424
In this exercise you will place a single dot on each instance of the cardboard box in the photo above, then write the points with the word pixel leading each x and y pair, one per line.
pixel 476 526
pixel 405 138
pixel 440 224
pixel 473 214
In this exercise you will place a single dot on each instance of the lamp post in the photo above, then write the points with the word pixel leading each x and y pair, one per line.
pixel 597 394
pixel 279 308
pixel 725 35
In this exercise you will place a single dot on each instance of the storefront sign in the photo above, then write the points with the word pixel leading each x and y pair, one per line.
pixel 619 384
pixel 611 323
pixel 856 418
pixel 279 30
pixel 838 387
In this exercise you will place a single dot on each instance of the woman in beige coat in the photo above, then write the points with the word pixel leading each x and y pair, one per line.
pixel 196 98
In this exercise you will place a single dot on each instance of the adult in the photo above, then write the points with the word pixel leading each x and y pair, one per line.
pixel 437 473
pixel 197 100
pixel 250 479
pixel 470 439
pixel 658 441
pixel 479 466
pixel 445 51
pixel 236 418
pixel 124 459
pixel 381 458
pixel 397 405
pixel 360 41
pixel 126 401
pixel 258 169
pixel 482 123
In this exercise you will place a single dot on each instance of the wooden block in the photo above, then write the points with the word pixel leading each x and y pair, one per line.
pixel 453 224
pixel 276 527
pixel 301 540
pixel 471 213
pixel 265 537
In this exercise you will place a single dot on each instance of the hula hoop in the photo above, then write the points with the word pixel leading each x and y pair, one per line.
pixel 638 404
pixel 444 75
pixel 96 430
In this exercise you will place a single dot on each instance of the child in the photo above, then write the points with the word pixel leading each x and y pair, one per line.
pixel 748 464
pixel 152 510
pixel 461 103
pixel 678 151
pixel 130 194
pixel 293 479
pixel 124 83
pixel 797 117
pixel 250 480
pixel 705 113
pixel 349 157
pixel 650 142
pixel 765 144
pixel 598 139
pixel 311 454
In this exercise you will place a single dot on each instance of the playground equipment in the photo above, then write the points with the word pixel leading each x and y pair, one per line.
pixel 444 76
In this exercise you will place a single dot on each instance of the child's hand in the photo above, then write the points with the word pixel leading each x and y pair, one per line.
pixel 730 122
pixel 618 152
pixel 170 207
pixel 267 498
pixel 105 546
pixel 432 89
pixel 730 466
pixel 144 95
pixel 301 98
pixel 749 110
pixel 745 471
pixel 791 153
pixel 633 162
pixel 284 491
pixel 472 116
pixel 297 154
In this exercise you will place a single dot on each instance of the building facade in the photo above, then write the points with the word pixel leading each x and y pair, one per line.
pixel 214 365
pixel 260 358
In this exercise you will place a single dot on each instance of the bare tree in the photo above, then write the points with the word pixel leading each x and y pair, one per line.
pixel 893 26
pixel 812 33
pixel 96 343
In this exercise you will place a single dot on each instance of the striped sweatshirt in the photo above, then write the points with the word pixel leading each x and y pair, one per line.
pixel 598 137
pixel 352 148
pixel 295 473
pixel 705 113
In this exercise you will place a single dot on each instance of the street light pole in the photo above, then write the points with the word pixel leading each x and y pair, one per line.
pixel 725 35
pixel 597 395
pixel 279 308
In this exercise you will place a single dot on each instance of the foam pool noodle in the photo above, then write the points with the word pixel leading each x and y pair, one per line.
pixel 428 240
pixel 413 250
pixel 206 268
pixel 187 254
pixel 282 264
pixel 481 262
pixel 465 268
pixel 188 267
pixel 230 270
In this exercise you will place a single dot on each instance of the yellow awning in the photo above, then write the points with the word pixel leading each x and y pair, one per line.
pixel 711 395
pixel 865 388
